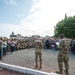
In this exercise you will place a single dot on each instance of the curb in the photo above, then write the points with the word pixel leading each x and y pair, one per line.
pixel 24 70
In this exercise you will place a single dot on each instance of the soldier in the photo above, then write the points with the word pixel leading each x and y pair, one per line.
pixel 63 56
pixel 38 44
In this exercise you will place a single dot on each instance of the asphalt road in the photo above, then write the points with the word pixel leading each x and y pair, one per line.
pixel 26 58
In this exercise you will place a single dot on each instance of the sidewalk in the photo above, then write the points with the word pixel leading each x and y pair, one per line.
pixel 9 72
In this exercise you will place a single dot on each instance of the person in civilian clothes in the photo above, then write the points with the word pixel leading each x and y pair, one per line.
pixel 1 48
pixel 4 47
pixel 12 46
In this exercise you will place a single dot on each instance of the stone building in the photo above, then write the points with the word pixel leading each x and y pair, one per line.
pixel 13 36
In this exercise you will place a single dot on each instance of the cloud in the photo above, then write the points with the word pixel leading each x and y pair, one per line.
pixel 42 17
pixel 13 2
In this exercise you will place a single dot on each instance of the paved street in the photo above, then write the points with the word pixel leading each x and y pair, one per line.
pixel 26 58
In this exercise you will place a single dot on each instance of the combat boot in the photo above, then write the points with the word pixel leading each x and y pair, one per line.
pixel 36 65
pixel 59 72
pixel 40 64
pixel 66 71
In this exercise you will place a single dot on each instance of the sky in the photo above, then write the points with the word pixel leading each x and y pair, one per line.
pixel 33 17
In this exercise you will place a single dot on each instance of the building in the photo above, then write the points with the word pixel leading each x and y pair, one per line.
pixel 13 36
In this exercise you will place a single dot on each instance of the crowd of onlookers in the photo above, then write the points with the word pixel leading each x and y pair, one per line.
pixel 72 46
pixel 51 43
pixel 12 45
pixel 4 45
pixel 54 43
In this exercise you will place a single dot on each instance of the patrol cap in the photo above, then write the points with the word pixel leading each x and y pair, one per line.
pixel 37 40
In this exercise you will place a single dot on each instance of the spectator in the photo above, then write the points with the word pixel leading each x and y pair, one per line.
pixel 4 47
pixel 1 48
pixel 13 47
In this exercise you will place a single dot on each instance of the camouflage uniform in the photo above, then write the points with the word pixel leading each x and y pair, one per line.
pixel 63 56
pixel 38 52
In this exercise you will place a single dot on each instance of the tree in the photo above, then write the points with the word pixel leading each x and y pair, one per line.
pixel 66 26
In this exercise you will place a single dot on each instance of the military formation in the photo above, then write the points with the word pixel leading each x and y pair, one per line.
pixel 23 44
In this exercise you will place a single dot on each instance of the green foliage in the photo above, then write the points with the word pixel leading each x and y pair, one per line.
pixel 66 26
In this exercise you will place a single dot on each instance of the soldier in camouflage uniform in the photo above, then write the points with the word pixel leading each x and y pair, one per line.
pixel 63 56
pixel 38 44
